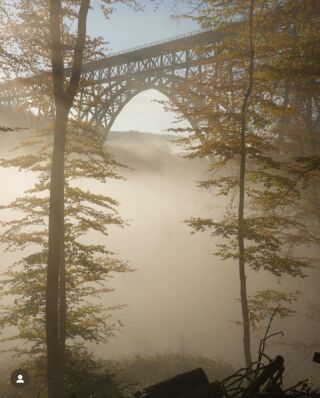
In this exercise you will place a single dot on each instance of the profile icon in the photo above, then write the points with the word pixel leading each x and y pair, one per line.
pixel 20 378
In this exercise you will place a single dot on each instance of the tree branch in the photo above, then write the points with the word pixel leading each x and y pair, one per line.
pixel 56 48
pixel 78 51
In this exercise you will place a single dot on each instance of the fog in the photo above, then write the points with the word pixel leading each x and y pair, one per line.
pixel 180 297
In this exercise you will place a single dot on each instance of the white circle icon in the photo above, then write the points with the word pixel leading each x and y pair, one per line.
pixel 20 379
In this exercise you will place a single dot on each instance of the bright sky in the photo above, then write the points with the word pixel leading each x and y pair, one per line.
pixel 126 29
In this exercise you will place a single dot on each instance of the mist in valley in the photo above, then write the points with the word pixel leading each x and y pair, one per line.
pixel 180 297
pixel 159 201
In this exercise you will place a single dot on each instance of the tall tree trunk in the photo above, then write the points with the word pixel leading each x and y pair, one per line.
pixel 241 226
pixel 311 125
pixel 56 242
pixel 56 310
pixel 62 306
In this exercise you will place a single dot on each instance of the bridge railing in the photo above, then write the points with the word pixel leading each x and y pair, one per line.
pixel 155 43
pixel 4 84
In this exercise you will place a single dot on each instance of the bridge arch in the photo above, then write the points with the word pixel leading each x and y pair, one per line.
pixel 111 82
pixel 164 92
pixel 112 102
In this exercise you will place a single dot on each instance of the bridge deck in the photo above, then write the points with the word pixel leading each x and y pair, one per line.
pixel 131 55
pixel 113 81
pixel 153 49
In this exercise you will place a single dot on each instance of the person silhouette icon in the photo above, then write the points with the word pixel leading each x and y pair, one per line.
pixel 20 379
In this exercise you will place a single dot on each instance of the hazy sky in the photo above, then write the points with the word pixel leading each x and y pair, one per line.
pixel 126 29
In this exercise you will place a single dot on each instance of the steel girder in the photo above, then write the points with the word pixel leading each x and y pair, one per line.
pixel 109 84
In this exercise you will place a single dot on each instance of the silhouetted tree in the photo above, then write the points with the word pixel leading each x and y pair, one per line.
pixel 56 311
pixel 44 37
pixel 242 101
pixel 87 265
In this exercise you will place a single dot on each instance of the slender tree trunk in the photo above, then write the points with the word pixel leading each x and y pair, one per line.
pixel 56 234
pixel 241 226
pixel 62 306
pixel 315 150
pixel 56 309
pixel 283 119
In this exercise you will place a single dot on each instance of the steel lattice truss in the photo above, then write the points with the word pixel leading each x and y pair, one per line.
pixel 107 85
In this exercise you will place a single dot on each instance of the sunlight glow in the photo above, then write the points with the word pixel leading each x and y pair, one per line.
pixel 144 114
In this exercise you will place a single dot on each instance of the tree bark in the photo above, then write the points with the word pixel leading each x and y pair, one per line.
pixel 62 306
pixel 56 308
pixel 241 221
pixel 56 233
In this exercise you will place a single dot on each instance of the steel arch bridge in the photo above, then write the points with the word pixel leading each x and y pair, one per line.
pixel 110 83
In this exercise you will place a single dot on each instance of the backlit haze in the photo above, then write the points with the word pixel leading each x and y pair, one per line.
pixel 180 296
